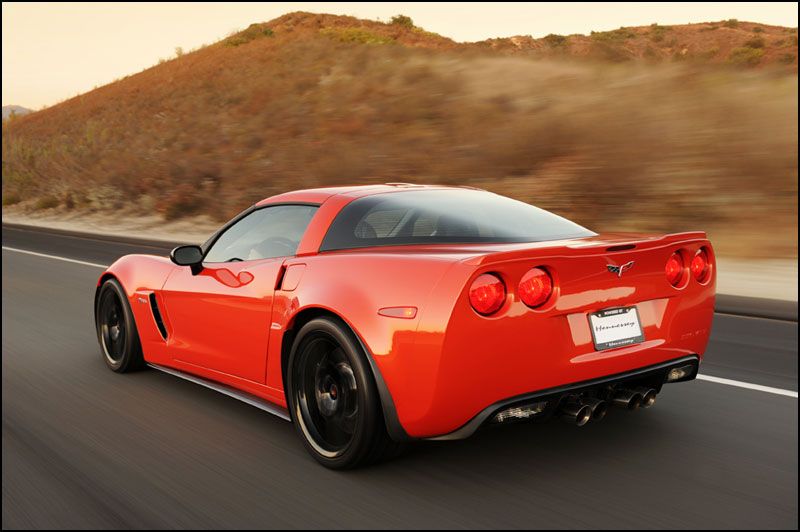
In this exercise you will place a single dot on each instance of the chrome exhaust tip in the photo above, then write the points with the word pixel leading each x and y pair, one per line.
pixel 629 399
pixel 598 406
pixel 577 413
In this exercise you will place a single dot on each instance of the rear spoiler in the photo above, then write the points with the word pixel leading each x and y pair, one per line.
pixel 602 243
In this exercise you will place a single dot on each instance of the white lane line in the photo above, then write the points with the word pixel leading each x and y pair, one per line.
pixel 748 385
pixel 709 378
pixel 93 264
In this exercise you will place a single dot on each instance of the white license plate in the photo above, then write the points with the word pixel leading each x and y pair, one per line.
pixel 615 327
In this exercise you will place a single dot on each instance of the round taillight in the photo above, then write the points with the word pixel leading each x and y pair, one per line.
pixel 535 287
pixel 674 269
pixel 487 294
pixel 700 267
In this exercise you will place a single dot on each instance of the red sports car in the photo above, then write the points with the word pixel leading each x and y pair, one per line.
pixel 375 315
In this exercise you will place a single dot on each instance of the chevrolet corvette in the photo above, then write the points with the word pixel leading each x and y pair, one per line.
pixel 371 316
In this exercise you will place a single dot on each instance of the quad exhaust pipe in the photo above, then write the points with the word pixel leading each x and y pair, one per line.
pixel 628 399
pixel 575 412
pixel 580 411
pixel 598 406
pixel 633 399
pixel 648 397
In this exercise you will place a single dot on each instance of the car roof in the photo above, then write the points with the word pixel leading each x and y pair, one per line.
pixel 320 195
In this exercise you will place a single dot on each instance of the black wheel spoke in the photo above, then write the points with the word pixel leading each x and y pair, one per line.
pixel 327 395
pixel 112 326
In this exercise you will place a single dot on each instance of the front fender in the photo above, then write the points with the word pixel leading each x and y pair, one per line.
pixel 139 272
pixel 140 276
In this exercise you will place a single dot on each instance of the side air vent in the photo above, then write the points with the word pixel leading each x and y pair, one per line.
pixel 621 247
pixel 157 316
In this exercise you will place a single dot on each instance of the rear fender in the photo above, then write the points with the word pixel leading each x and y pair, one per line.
pixel 354 287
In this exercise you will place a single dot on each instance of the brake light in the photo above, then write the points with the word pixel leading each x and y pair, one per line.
pixel 700 267
pixel 535 287
pixel 487 294
pixel 674 269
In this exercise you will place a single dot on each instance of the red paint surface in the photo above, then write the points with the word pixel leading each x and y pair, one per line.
pixel 448 362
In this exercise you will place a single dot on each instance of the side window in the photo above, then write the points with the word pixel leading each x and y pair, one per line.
pixel 263 234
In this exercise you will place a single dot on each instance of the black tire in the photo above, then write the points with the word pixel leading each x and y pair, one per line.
pixel 116 329
pixel 342 425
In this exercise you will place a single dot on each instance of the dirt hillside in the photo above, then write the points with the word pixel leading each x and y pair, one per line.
pixel 639 128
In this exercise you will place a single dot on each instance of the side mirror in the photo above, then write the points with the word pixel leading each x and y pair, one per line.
pixel 191 256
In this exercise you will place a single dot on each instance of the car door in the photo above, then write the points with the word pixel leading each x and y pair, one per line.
pixel 220 317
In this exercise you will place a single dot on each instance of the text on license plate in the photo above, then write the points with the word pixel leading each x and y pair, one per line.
pixel 615 327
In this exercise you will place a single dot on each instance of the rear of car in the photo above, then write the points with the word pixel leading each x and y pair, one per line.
pixel 536 316
pixel 566 318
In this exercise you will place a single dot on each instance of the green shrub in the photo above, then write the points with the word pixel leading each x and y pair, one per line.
pixel 650 53
pixel 756 42
pixel 731 23
pixel 253 31
pixel 657 32
pixel 402 20
pixel 555 41
pixel 758 29
pixel 11 198
pixel 709 28
pixel 185 199
pixel 46 202
pixel 610 52
pixel 356 35
pixel 179 209
pixel 426 33
pixel 746 56
pixel 618 35
pixel 787 59
pixel 706 55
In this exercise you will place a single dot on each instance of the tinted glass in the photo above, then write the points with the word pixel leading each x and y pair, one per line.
pixel 444 217
pixel 264 233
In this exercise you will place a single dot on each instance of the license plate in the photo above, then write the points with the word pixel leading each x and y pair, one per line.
pixel 615 327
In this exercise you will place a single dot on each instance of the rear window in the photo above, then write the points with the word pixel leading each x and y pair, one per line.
pixel 443 217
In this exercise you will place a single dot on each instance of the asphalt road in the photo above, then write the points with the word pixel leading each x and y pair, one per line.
pixel 86 448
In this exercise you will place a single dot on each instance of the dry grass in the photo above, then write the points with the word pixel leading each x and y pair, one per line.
pixel 614 146
pixel 707 43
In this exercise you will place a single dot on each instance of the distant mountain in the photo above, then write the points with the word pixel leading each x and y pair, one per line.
pixel 16 109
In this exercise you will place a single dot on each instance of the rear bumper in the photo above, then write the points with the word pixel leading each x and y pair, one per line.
pixel 441 381
pixel 653 376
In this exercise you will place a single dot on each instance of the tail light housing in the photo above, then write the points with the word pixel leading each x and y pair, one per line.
pixel 700 267
pixel 487 294
pixel 535 287
pixel 674 269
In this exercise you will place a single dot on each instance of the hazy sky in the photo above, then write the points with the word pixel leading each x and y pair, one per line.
pixel 55 51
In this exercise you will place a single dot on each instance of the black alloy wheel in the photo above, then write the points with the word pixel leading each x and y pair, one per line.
pixel 116 329
pixel 333 399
